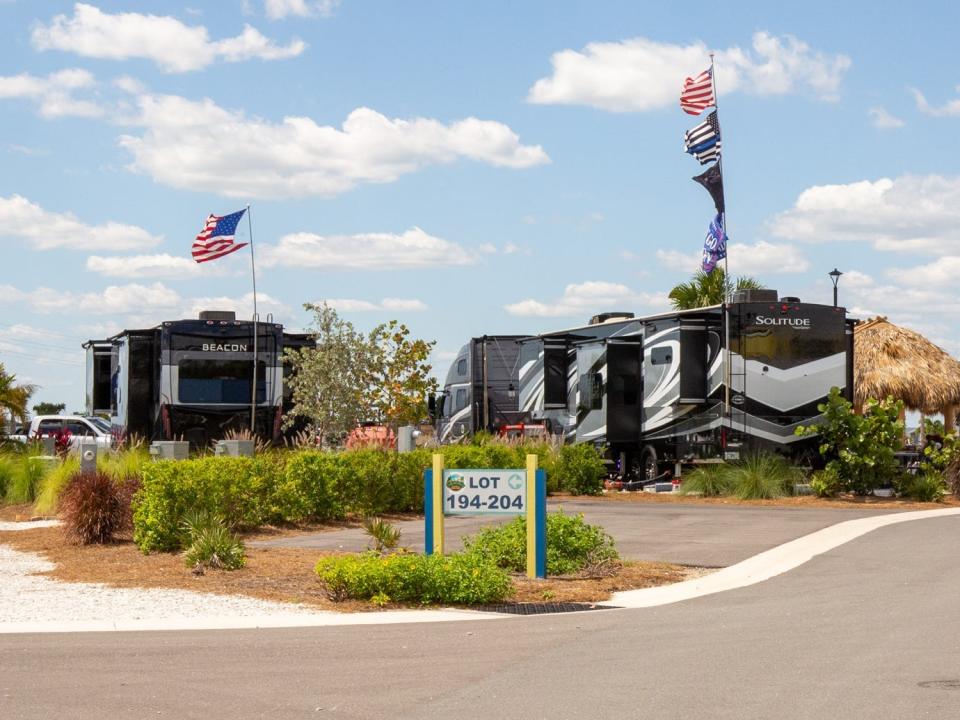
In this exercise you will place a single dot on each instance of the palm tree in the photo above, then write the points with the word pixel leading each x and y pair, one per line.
pixel 13 397
pixel 707 289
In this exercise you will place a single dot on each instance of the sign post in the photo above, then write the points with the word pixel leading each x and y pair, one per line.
pixel 488 491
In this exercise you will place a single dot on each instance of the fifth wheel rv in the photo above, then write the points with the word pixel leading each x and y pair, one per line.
pixel 660 391
pixel 190 379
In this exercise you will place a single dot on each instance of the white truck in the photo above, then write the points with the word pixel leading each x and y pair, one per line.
pixel 78 426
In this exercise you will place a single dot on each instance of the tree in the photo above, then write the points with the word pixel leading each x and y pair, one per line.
pixel 48 408
pixel 350 377
pixel 707 289
pixel 400 381
pixel 329 381
pixel 14 397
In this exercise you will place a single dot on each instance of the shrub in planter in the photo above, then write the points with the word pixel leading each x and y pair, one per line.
pixel 92 508
pixel 572 545
pixel 580 469
pixel 924 487
pixel 708 481
pixel 761 476
pixel 458 578
pixel 209 543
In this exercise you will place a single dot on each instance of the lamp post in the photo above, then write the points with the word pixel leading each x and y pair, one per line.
pixel 835 277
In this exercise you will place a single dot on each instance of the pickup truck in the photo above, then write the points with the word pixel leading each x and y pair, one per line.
pixel 79 427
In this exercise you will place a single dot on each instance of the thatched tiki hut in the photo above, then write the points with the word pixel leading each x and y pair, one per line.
pixel 889 360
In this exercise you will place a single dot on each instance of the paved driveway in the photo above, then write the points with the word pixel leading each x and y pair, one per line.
pixel 688 534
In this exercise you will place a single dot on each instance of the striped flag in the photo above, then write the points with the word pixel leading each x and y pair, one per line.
pixel 703 141
pixel 697 93
pixel 216 238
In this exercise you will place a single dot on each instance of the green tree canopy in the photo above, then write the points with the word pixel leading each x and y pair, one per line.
pixel 14 397
pixel 706 289
pixel 48 408
pixel 349 377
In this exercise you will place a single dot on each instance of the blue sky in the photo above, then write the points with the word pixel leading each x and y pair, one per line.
pixel 465 168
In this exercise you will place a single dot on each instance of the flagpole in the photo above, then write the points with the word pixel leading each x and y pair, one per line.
pixel 253 274
pixel 728 284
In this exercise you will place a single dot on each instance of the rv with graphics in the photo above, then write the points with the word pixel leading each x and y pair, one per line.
pixel 191 379
pixel 659 391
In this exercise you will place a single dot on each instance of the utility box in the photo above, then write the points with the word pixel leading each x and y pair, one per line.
pixel 234 448
pixel 407 438
pixel 170 450
pixel 88 456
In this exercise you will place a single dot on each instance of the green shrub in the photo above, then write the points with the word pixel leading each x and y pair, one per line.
pixel 241 490
pixel 761 476
pixel 572 545
pixel 93 508
pixel 459 578
pixel 210 543
pixel 311 487
pixel 708 480
pixel 28 472
pixel 925 487
pixel 859 447
pixel 580 470
pixel 826 482
pixel 53 482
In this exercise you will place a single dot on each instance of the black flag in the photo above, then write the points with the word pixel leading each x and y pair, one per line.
pixel 712 180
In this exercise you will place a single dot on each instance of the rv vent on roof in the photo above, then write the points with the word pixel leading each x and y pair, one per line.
pixel 218 315
pixel 753 295
pixel 608 316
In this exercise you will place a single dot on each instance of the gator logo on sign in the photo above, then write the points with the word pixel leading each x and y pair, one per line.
pixel 455 482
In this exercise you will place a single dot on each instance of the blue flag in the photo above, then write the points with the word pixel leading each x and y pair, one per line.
pixel 714 245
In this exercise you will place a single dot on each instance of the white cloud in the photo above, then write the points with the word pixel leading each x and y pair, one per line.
pixel 910 302
pixel 909 214
pixel 587 297
pixel 45 230
pixel 950 109
pixel 278 9
pixel 141 305
pixel 942 273
pixel 173 45
pixel 54 93
pixel 883 119
pixel 152 266
pixel 197 145
pixel 389 304
pixel 366 251
pixel 641 74
pixel 760 258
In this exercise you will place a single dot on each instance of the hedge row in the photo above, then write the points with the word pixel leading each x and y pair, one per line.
pixel 278 487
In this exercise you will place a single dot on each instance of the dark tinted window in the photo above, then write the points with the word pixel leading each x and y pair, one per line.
pixel 461 399
pixel 661 356
pixel 220 381
pixel 591 391
pixel 462 366
pixel 555 376
pixel 79 429
pixel 48 427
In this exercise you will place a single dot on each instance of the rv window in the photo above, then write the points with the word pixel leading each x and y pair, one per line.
pixel 661 356
pixel 591 391
pixel 555 376
pixel 219 381
pixel 461 402
pixel 462 367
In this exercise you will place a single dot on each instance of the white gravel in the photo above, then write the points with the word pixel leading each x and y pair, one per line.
pixel 13 526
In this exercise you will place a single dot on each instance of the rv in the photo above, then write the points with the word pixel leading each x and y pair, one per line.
pixel 191 379
pixel 661 391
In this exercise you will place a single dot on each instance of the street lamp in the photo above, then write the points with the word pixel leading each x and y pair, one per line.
pixel 835 277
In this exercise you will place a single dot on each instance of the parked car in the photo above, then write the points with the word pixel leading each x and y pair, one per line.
pixel 78 426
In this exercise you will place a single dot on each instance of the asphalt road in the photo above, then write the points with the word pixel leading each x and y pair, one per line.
pixel 868 630
pixel 688 534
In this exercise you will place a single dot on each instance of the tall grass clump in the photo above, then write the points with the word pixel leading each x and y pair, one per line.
pixel 210 543
pixel 53 482
pixel 762 476
pixel 712 480
pixel 28 472
pixel 925 487
pixel 93 508
pixel 7 467
pixel 125 463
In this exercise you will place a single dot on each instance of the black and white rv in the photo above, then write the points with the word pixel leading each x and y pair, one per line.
pixel 190 379
pixel 659 391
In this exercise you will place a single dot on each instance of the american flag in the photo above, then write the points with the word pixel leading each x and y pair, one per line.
pixel 697 93
pixel 703 141
pixel 216 238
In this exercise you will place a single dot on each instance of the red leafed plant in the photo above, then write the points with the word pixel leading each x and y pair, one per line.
pixel 61 442
pixel 94 507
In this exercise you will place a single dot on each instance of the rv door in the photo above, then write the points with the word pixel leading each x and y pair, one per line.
pixel 624 389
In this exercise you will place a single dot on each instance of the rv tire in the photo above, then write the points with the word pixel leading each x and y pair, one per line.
pixel 648 463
